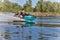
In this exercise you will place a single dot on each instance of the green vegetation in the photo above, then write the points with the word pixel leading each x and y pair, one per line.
pixel 41 6
pixel 10 7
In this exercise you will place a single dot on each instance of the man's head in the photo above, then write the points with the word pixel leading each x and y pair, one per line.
pixel 23 11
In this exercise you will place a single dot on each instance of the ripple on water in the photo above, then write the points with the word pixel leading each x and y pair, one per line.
pixel 40 31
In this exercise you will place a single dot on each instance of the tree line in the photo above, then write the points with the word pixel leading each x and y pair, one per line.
pixel 41 6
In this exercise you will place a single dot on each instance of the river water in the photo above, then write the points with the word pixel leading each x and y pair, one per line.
pixel 43 28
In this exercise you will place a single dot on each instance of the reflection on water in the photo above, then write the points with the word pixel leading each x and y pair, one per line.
pixel 44 28
pixel 32 33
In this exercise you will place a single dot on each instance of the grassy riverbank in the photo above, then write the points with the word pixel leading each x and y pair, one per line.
pixel 44 13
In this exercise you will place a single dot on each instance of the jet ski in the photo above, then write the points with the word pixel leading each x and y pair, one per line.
pixel 27 18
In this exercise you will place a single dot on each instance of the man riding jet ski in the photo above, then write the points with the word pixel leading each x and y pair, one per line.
pixel 21 14
pixel 25 16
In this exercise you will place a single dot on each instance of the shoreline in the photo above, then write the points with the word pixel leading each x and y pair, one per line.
pixel 44 14
pixel 37 13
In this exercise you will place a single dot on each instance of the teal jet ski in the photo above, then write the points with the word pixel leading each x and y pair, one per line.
pixel 27 18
